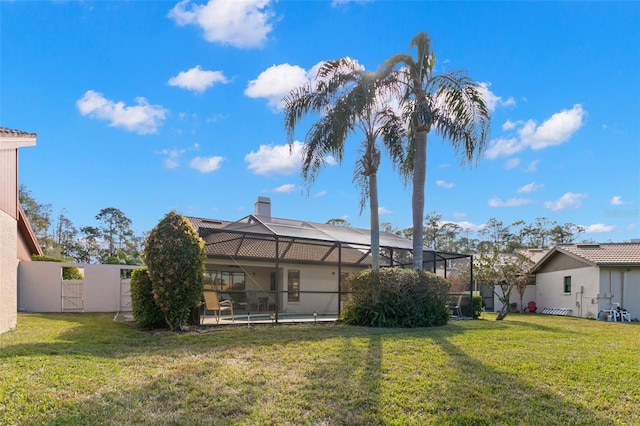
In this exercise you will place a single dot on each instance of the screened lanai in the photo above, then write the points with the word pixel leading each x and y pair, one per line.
pixel 274 268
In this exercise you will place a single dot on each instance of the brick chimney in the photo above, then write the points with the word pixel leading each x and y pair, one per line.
pixel 262 207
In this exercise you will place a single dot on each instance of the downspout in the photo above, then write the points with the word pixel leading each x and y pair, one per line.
pixel 278 293
pixel 471 285
pixel 339 278
pixel 624 280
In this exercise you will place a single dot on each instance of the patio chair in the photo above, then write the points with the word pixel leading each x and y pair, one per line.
pixel 531 307
pixel 455 306
pixel 211 303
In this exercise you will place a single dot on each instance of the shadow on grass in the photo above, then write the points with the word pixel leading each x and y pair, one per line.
pixel 486 395
pixel 217 378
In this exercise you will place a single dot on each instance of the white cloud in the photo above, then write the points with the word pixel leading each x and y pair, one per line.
pixel 465 225
pixel 287 188
pixel 503 148
pixel 530 187
pixel 511 202
pixel 330 160
pixel 383 210
pixel 509 125
pixel 276 82
pixel 197 80
pixel 568 200
pixel 491 99
pixel 336 3
pixel 618 201
pixel 598 228
pixel 206 164
pixel 277 159
pixel 512 163
pixel 320 193
pixel 459 215
pixel 142 118
pixel 445 184
pixel 241 24
pixel 555 130
pixel 173 157
pixel 533 166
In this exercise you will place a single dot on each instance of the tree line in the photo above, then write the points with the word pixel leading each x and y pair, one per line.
pixel 109 240
pixel 446 236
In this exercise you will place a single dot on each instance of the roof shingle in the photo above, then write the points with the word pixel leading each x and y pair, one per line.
pixel 605 254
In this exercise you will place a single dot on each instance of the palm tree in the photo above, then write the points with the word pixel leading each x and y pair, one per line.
pixel 450 103
pixel 348 99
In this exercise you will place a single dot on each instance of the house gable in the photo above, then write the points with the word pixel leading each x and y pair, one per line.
pixel 560 262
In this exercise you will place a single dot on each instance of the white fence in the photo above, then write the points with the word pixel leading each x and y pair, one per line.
pixel 103 288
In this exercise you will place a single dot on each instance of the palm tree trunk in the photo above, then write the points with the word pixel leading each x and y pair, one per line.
pixel 375 222
pixel 417 200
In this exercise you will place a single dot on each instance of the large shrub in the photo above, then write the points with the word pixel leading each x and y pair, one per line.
pixel 174 255
pixel 395 297
pixel 145 310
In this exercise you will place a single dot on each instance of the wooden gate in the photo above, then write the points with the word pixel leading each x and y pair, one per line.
pixel 125 290
pixel 72 295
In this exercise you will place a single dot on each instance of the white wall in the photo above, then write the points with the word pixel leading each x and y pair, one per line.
pixel 585 287
pixel 528 296
pixel 40 287
pixel 8 271
pixel 620 286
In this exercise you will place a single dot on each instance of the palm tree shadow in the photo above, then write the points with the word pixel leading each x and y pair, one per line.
pixel 480 389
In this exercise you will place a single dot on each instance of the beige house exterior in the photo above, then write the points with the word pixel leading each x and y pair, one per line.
pixel 17 241
pixel 274 266
pixel 589 278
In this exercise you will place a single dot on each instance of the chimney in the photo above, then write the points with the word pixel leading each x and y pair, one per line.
pixel 263 207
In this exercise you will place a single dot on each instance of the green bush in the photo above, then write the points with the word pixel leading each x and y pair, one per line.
pixel 477 306
pixel 174 255
pixel 71 273
pixel 39 258
pixel 145 310
pixel 396 297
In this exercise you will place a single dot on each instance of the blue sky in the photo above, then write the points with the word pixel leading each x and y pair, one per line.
pixel 153 106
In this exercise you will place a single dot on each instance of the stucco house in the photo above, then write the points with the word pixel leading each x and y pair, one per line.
pixel 17 240
pixel 270 265
pixel 491 300
pixel 584 279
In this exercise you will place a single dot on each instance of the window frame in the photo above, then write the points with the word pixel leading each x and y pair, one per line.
pixel 566 287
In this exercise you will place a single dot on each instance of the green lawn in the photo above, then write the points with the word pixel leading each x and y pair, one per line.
pixel 528 369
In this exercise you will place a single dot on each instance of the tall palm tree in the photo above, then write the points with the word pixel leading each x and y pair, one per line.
pixel 348 100
pixel 450 103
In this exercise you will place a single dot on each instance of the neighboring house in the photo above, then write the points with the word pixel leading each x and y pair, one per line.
pixel 491 300
pixel 282 266
pixel 17 241
pixel 589 278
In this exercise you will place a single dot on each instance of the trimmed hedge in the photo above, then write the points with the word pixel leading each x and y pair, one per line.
pixel 395 297
pixel 145 310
